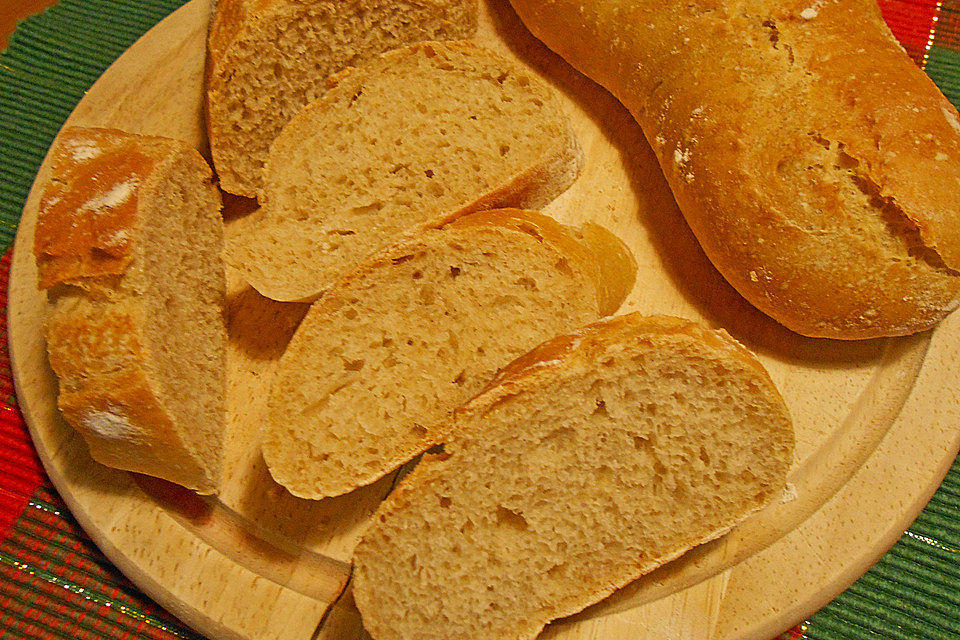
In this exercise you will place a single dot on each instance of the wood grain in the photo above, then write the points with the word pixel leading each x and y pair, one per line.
pixel 876 427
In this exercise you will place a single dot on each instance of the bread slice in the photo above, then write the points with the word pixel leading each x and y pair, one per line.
pixel 371 376
pixel 424 133
pixel 590 461
pixel 128 245
pixel 268 58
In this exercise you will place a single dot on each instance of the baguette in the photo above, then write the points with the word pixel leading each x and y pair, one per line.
pixel 420 134
pixel 267 59
pixel 128 246
pixel 380 361
pixel 592 460
pixel 815 163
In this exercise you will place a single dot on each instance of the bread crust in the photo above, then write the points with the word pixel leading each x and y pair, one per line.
pixel 88 210
pixel 95 334
pixel 817 168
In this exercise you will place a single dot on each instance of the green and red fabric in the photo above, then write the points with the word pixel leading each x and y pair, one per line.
pixel 54 582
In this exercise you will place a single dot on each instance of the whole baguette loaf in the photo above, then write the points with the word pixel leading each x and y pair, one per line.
pixel 417 135
pixel 816 164
pixel 268 58
pixel 595 458
pixel 128 245
pixel 379 362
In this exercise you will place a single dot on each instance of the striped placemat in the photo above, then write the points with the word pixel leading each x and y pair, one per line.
pixel 54 582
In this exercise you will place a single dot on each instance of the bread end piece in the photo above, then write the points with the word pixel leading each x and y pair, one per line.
pixel 129 242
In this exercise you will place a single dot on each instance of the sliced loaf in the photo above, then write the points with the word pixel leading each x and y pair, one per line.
pixel 371 376
pixel 590 461
pixel 424 133
pixel 269 58
pixel 128 245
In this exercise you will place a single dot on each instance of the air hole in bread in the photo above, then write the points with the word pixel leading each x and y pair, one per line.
pixel 641 443
pixel 704 456
pixel 445 502
pixel 528 283
pixel 373 207
pixel 563 435
pixel 353 365
pixel 601 408
pixel 454 271
pixel 512 519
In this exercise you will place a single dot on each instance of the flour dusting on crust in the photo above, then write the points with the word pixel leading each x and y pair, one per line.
pixel 112 424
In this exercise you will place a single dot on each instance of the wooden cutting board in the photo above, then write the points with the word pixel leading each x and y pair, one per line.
pixel 877 426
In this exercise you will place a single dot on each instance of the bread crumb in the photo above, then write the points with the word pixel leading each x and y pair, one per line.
pixel 941 156
pixel 753 276
pixel 112 424
pixel 789 493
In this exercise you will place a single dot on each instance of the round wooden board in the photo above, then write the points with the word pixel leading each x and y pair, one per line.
pixel 876 427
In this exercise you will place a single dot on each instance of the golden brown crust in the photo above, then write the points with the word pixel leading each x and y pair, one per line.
pixel 88 211
pixel 817 170
pixel 552 353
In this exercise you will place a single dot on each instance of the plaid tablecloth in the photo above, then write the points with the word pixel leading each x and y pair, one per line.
pixel 54 583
